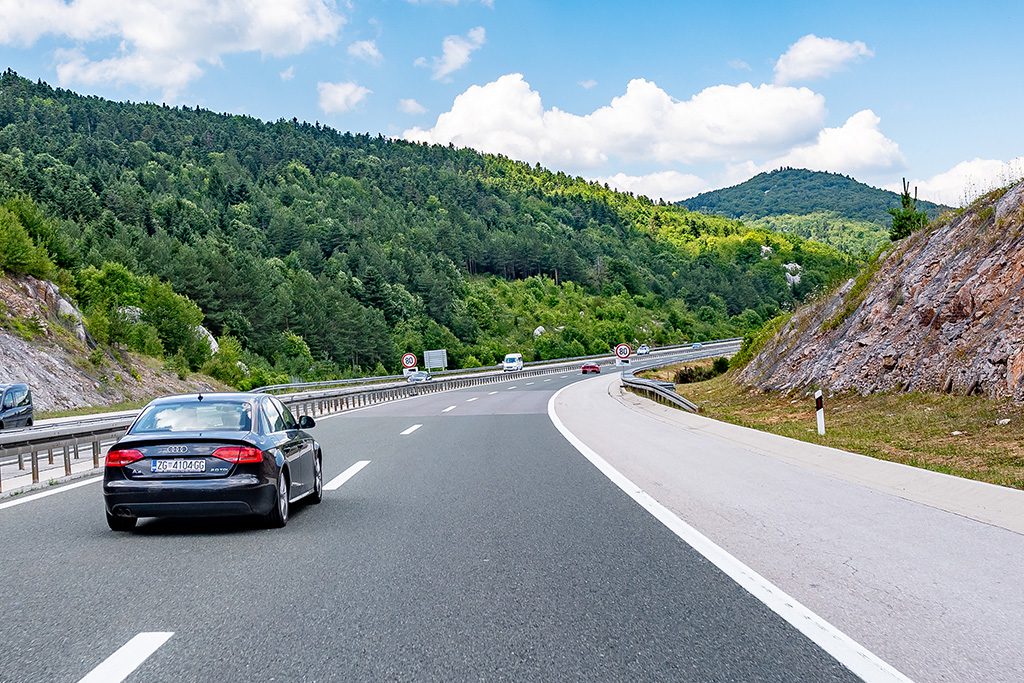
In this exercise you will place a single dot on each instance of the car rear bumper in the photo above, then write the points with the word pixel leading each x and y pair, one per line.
pixel 235 495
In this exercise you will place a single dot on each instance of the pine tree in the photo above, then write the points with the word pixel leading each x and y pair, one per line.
pixel 906 219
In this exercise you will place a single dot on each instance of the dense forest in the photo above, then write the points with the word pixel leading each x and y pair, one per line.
pixel 832 208
pixel 311 252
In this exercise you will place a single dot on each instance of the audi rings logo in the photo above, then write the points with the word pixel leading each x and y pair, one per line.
pixel 176 449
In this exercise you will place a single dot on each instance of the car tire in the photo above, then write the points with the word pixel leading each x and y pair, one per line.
pixel 318 479
pixel 29 423
pixel 278 515
pixel 117 523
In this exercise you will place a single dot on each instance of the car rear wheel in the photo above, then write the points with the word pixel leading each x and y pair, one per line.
pixel 318 480
pixel 278 516
pixel 117 523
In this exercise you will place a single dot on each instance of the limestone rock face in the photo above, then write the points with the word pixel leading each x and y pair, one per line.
pixel 943 312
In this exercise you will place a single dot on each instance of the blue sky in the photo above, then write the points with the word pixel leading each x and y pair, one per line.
pixel 664 98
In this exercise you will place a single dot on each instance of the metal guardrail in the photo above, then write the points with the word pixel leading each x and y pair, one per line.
pixel 98 432
pixel 362 381
pixel 665 392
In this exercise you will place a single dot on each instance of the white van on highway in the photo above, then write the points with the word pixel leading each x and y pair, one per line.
pixel 513 362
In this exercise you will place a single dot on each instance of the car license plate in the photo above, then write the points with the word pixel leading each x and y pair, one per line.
pixel 176 465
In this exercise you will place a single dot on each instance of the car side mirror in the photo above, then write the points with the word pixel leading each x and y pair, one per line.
pixel 306 422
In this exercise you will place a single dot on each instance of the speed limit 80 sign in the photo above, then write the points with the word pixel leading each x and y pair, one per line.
pixel 623 351
pixel 409 360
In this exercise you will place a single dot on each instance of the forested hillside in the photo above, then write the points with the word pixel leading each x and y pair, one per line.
pixel 311 252
pixel 832 208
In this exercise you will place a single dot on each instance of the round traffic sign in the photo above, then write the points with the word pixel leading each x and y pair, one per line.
pixel 409 360
pixel 623 350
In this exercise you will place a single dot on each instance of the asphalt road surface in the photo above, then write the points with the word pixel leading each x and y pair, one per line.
pixel 475 543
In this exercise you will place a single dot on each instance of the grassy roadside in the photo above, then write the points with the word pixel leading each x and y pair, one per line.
pixel 92 410
pixel 953 434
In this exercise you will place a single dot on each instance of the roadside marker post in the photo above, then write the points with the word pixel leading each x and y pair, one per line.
pixel 819 408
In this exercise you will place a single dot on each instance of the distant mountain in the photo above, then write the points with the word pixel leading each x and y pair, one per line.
pixel 797 191
pixel 827 207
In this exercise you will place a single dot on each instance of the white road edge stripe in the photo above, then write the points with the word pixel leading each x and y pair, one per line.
pixel 410 430
pixel 448 409
pixel 128 657
pixel 52 492
pixel 345 476
pixel 848 652
pixel 470 400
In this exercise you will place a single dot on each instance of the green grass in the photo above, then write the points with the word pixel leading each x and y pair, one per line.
pixel 911 428
pixel 92 410
pixel 753 343
pixel 855 297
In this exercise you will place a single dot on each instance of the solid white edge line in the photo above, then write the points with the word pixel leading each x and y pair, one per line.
pixel 127 658
pixel 36 496
pixel 848 652
pixel 410 430
pixel 449 408
pixel 345 476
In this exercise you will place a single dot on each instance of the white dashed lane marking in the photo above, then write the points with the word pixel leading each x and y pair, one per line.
pixel 410 430
pixel 128 658
pixel 345 476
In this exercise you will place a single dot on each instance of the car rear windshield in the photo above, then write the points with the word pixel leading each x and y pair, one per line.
pixel 193 415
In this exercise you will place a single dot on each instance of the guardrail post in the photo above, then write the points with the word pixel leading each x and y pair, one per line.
pixel 35 467
pixel 49 456
pixel 96 453
pixel 67 461
pixel 76 451
pixel 21 460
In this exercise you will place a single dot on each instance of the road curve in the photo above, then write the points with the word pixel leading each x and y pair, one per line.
pixel 863 543
pixel 477 545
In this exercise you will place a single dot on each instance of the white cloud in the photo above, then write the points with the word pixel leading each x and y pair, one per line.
pixel 858 146
pixel 813 57
pixel 739 65
pixel 967 181
pixel 668 185
pixel 340 97
pixel 588 84
pixel 455 52
pixel 164 45
pixel 288 74
pixel 645 124
pixel 365 50
pixel 411 106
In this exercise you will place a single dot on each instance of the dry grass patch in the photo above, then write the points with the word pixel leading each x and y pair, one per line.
pixel 952 434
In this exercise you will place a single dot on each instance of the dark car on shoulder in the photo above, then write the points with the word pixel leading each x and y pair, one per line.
pixel 212 455
pixel 15 406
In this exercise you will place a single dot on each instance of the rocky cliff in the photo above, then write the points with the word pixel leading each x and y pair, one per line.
pixel 943 310
pixel 44 344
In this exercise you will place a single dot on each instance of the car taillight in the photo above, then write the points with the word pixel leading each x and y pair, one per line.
pixel 123 457
pixel 239 454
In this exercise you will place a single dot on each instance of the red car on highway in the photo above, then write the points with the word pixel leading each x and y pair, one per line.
pixel 591 367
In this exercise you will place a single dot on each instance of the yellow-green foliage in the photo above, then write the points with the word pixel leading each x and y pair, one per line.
pixel 855 297
pixel 755 342
pixel 18 253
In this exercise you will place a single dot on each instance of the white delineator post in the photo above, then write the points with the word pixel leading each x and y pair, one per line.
pixel 819 408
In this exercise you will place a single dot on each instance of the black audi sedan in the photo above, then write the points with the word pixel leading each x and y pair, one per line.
pixel 212 455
